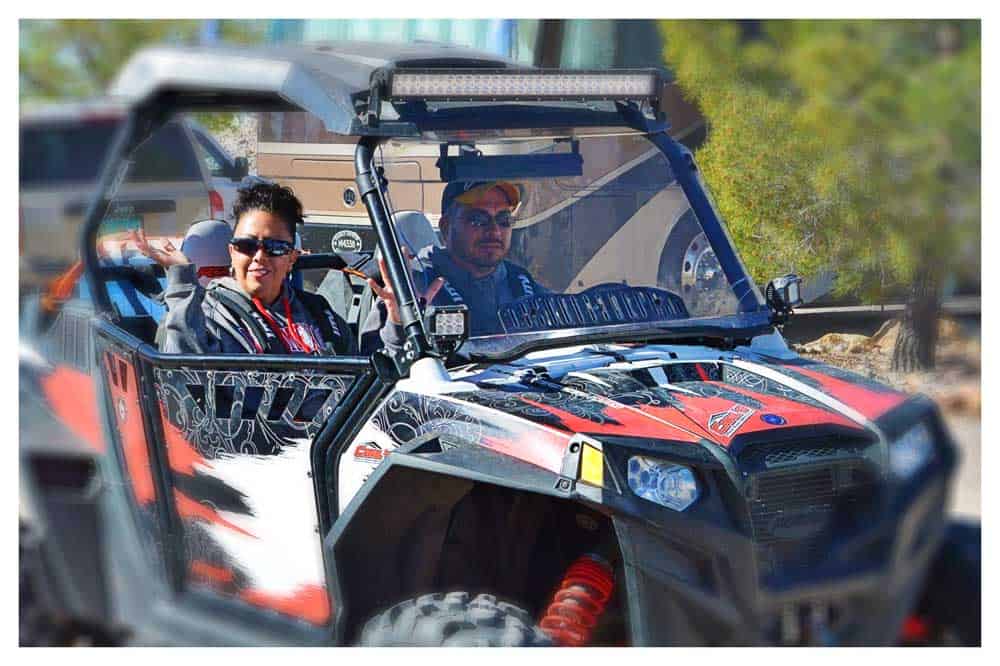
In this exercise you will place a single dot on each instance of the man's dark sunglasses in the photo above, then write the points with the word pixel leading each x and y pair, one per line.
pixel 479 218
pixel 273 247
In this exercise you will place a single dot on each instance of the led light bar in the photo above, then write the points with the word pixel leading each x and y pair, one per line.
pixel 513 84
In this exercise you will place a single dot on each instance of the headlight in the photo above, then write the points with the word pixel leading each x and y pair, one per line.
pixel 666 484
pixel 911 451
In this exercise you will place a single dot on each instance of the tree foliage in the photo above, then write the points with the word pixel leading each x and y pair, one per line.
pixel 73 59
pixel 851 145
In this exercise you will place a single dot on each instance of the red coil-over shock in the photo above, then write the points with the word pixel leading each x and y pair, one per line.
pixel 579 601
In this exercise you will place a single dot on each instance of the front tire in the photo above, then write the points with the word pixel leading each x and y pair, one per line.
pixel 952 599
pixel 454 619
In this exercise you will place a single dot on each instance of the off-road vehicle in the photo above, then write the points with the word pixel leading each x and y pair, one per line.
pixel 637 461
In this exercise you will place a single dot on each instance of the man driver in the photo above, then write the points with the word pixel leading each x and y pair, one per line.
pixel 471 269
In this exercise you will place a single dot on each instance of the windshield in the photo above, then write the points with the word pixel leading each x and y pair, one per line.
pixel 537 236
pixel 602 235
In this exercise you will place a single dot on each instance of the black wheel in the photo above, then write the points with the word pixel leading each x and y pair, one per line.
pixel 454 619
pixel 952 600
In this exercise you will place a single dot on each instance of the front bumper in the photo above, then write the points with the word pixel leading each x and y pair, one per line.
pixel 705 586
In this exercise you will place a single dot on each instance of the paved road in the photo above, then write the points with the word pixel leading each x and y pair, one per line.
pixel 966 498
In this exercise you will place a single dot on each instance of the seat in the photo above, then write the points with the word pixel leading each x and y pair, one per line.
pixel 350 295
pixel 415 231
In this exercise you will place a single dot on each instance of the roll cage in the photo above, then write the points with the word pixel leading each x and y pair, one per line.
pixel 161 82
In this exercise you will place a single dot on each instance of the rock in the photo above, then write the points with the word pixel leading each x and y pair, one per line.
pixel 885 337
pixel 849 343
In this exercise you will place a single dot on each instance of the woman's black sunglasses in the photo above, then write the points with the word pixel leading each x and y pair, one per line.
pixel 273 247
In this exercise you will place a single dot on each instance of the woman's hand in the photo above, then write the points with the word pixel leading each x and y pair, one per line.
pixel 386 293
pixel 166 255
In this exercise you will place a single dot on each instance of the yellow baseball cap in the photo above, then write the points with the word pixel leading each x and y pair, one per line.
pixel 470 192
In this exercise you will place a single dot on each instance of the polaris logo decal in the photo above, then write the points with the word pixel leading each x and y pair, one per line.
pixel 728 422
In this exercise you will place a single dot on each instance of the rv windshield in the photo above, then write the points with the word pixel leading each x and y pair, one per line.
pixel 611 241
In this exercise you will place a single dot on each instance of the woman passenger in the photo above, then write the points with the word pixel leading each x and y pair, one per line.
pixel 254 310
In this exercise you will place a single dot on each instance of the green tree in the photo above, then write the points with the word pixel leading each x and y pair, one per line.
pixel 851 145
pixel 62 59
pixel 74 59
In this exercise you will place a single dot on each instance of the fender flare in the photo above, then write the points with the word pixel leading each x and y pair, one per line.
pixel 414 486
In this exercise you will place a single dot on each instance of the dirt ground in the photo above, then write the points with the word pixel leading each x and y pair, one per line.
pixel 955 385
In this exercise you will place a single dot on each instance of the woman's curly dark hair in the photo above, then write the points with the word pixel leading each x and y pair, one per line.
pixel 271 198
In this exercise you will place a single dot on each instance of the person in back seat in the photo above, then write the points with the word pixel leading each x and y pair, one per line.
pixel 206 245
pixel 255 310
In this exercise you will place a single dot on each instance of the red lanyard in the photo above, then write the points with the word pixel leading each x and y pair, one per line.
pixel 292 331
pixel 213 271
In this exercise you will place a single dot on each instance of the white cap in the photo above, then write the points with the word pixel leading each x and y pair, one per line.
pixel 206 243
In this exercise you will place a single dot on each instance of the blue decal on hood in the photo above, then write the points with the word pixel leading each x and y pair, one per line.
pixel 773 419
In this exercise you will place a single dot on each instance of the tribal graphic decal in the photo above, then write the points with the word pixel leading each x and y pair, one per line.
pixel 249 412
pixel 543 406
pixel 660 399
pixel 757 384
pixel 636 389
pixel 238 443
pixel 406 416
pixel 706 390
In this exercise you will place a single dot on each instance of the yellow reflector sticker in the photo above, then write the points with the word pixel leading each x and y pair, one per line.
pixel 592 466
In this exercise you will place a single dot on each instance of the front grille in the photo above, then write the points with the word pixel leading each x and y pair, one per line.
pixel 796 512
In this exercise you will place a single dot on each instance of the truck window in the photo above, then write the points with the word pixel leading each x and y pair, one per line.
pixel 53 155
pixel 216 162
pixel 166 156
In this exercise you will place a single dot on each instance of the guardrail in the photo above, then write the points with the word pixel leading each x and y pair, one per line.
pixel 962 306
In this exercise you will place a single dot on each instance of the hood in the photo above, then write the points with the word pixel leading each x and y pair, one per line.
pixel 678 397
pixel 679 394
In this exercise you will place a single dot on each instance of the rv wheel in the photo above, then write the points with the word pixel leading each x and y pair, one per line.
pixel 688 265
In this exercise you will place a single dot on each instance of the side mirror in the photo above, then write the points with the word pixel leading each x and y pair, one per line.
pixel 241 167
pixel 782 295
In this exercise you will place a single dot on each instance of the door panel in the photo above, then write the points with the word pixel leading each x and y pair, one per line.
pixel 238 447
pixel 217 455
